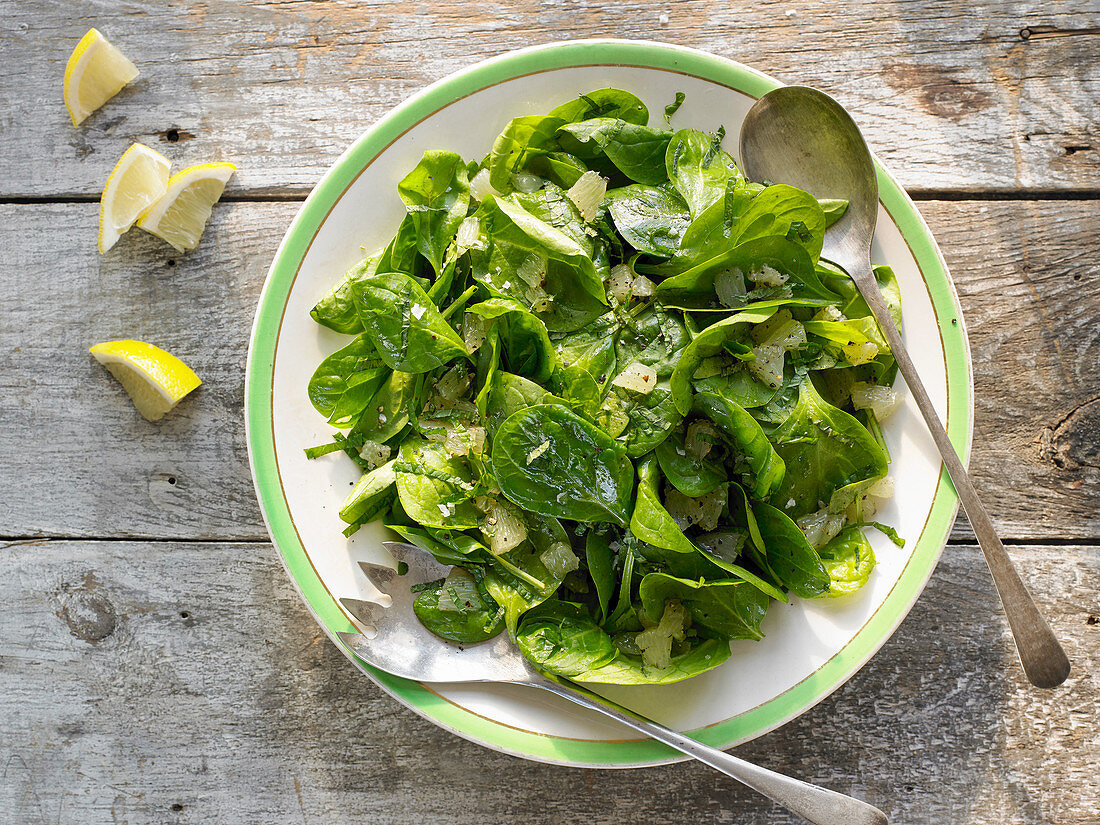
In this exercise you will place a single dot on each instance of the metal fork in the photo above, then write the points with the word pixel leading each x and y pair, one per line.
pixel 396 642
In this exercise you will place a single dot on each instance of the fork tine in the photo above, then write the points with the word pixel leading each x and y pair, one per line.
pixel 379 575
pixel 365 614
pixel 358 643
pixel 400 549
pixel 416 561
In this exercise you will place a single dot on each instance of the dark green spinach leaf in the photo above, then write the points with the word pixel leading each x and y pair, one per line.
pixel 550 460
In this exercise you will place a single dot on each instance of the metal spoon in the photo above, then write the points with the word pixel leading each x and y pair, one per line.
pixel 802 137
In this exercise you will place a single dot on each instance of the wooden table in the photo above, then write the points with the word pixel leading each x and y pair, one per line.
pixel 156 665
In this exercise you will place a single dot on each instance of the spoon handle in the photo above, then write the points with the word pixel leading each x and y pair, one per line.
pixel 820 806
pixel 1043 658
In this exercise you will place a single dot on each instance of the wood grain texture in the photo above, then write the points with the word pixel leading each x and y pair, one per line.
pixel 76 460
pixel 185 683
pixel 953 94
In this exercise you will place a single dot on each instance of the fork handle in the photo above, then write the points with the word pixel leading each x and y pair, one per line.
pixel 1045 662
pixel 818 805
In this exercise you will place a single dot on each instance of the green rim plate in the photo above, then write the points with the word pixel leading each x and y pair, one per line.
pixel 258 411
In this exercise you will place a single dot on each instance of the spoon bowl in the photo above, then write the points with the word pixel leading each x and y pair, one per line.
pixel 802 137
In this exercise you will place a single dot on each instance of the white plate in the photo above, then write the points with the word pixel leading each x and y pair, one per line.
pixel 811 647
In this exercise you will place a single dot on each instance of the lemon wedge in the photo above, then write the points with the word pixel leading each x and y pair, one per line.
pixel 156 380
pixel 95 73
pixel 139 179
pixel 181 215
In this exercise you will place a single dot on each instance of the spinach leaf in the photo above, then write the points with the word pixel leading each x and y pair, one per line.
pixel 650 521
pixel 710 342
pixel 441 544
pixel 699 169
pixel 560 168
pixel 578 388
pixel 524 343
pixel 834 209
pixel 849 560
pixel 371 496
pixel 830 457
pixel 387 412
pixel 637 151
pixel 592 348
pixel 597 551
pixel 523 138
pixel 674 106
pixel 404 325
pixel 523 248
pixel 652 219
pixel 487 368
pixel 337 309
pixel 436 489
pixel 654 337
pixel 797 565
pixel 518 580
pixel 562 638
pixel 766 468
pixel 692 476
pixel 702 656
pixel 354 368
pixel 458 610
pixel 511 393
pixel 436 194
pixel 551 461
pixel 616 103
pixel 778 211
pixel 650 418
pixel 731 607
pixel 695 289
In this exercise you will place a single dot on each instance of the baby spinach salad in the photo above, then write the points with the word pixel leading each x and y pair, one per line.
pixel 613 383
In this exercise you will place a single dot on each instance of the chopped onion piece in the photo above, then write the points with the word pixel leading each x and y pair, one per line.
pixel 643 287
pixel 656 642
pixel 458 593
pixel 880 400
pixel 503 525
pixel 767 366
pixel 467 236
pixel 559 559
pixel 474 328
pixel 704 510
pixel 480 186
pixel 526 182
pixel 768 276
pixel 883 488
pixel 454 383
pixel 532 270
pixel 789 335
pixel 856 354
pixel 829 313
pixel 820 527
pixel 587 194
pixel 699 438
pixel 374 454
pixel 730 285
pixel 620 283
pixel 637 377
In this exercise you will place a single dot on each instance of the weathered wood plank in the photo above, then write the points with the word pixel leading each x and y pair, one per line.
pixel 952 95
pixel 164 683
pixel 76 460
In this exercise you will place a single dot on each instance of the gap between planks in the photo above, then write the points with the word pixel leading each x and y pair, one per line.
pixel 917 195
pixel 16 541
